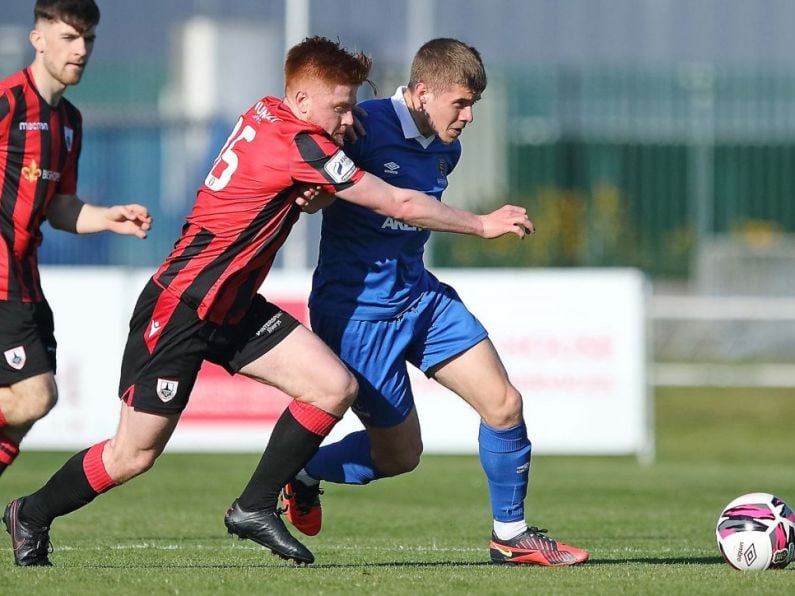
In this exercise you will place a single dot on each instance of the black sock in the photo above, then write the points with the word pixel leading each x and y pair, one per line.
pixel 290 447
pixel 67 491
pixel 2 468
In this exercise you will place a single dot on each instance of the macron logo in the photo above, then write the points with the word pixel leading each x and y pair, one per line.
pixel 34 126
pixel 391 167
pixel 154 328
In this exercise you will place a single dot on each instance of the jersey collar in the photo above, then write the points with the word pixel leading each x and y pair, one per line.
pixel 410 130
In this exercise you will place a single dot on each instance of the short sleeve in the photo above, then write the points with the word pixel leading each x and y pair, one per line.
pixel 317 160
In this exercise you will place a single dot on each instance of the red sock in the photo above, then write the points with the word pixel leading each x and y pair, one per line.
pixel 95 471
pixel 8 450
pixel 312 418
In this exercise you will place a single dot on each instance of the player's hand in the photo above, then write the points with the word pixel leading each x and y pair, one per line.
pixel 312 199
pixel 508 219
pixel 132 220
pixel 306 194
pixel 352 133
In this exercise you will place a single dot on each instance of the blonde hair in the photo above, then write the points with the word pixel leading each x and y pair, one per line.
pixel 444 62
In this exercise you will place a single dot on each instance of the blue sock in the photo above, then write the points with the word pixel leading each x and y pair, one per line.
pixel 345 462
pixel 505 457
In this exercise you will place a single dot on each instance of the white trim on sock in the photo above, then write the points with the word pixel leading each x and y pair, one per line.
pixel 306 478
pixel 508 530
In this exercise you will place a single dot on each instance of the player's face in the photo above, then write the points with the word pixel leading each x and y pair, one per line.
pixel 331 109
pixel 448 112
pixel 63 50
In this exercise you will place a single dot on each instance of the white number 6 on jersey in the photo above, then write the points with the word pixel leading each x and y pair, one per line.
pixel 229 157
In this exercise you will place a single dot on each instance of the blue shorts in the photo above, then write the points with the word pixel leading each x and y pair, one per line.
pixel 436 327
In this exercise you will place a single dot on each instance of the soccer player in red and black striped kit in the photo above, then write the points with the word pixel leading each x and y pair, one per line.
pixel 40 136
pixel 202 303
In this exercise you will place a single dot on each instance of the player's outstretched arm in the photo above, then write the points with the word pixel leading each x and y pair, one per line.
pixel 424 211
pixel 69 213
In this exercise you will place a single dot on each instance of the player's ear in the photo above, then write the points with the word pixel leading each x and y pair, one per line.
pixel 303 101
pixel 422 92
pixel 37 40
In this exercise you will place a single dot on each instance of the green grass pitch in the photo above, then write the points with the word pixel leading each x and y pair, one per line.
pixel 650 529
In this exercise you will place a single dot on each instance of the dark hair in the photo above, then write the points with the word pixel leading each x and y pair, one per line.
pixel 444 62
pixel 80 14
pixel 326 60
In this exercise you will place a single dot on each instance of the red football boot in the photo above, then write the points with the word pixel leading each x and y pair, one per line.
pixel 301 504
pixel 534 547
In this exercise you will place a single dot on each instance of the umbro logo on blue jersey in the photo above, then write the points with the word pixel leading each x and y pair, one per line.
pixel 391 167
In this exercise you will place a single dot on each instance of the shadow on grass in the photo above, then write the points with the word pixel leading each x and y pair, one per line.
pixel 683 561
pixel 660 561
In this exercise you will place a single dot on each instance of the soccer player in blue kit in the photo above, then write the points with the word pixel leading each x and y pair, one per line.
pixel 377 306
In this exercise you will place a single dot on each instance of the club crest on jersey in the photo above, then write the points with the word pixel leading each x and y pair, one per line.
pixel 16 357
pixel 340 168
pixel 166 389
pixel 68 135
pixel 442 179
pixel 31 172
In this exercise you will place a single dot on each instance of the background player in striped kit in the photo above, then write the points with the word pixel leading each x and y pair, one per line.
pixel 40 138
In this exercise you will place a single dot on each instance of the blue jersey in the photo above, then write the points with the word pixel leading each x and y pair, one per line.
pixel 370 266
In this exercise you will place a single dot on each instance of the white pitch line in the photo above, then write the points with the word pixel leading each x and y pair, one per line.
pixel 253 547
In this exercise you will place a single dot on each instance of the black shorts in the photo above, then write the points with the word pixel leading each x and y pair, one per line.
pixel 168 343
pixel 27 341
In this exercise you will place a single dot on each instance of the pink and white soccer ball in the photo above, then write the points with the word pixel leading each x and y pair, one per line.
pixel 756 532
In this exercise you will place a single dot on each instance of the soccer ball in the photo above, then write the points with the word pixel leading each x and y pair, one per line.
pixel 756 532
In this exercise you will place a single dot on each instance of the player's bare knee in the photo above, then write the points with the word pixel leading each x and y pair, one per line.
pixel 43 404
pixel 50 399
pixel 32 405
pixel 136 466
pixel 335 394
pixel 504 411
pixel 122 467
pixel 339 393
pixel 144 461
pixel 411 459
pixel 399 461
pixel 350 391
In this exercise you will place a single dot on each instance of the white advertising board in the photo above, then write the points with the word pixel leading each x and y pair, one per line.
pixel 573 342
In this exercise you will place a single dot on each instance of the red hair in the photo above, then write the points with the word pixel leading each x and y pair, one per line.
pixel 321 59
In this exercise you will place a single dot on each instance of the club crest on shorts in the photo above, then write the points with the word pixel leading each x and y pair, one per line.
pixel 16 357
pixel 166 389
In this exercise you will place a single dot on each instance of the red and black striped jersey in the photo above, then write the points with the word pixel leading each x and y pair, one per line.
pixel 246 208
pixel 39 149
